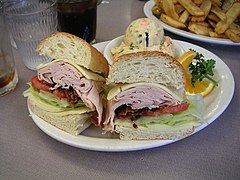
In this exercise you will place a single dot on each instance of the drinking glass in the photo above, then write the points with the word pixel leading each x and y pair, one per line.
pixel 29 22
pixel 78 17
pixel 8 73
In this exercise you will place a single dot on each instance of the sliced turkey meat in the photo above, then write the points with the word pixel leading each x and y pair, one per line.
pixel 64 75
pixel 137 98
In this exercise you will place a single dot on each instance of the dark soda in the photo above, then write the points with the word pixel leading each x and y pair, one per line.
pixel 78 18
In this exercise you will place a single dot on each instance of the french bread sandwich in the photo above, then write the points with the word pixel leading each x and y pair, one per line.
pixel 67 92
pixel 147 99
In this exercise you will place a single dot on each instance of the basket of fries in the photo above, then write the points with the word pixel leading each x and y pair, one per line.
pixel 212 18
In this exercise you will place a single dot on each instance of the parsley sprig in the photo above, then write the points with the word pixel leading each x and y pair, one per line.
pixel 201 68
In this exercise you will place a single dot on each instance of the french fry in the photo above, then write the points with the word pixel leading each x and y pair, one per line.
pixel 192 8
pixel 213 17
pixel 169 9
pixel 206 7
pixel 231 35
pixel 172 22
pixel 236 31
pixel 184 17
pixel 158 2
pixel 197 2
pixel 175 1
pixel 157 11
pixel 231 15
pixel 203 23
pixel 216 35
pixel 219 12
pixel 212 23
pixel 197 18
pixel 235 28
pixel 217 2
pixel 227 4
pixel 199 29
pixel 179 8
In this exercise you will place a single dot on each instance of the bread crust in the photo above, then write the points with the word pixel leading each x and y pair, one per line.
pixel 72 124
pixel 126 133
pixel 145 56
pixel 96 61
pixel 150 54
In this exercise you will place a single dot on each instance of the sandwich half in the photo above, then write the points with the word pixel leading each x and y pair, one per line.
pixel 67 92
pixel 147 98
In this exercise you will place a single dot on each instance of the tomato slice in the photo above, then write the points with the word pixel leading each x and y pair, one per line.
pixel 177 108
pixel 169 109
pixel 44 86
pixel 41 85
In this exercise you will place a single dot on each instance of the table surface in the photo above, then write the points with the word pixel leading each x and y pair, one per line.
pixel 28 153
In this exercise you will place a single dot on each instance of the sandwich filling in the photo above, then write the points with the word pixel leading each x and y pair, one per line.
pixel 132 102
pixel 66 81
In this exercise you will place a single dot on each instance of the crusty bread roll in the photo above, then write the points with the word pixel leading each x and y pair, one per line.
pixel 73 124
pixel 152 67
pixel 61 45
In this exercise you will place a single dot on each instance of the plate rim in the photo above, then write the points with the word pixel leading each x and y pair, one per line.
pixel 121 145
pixel 148 13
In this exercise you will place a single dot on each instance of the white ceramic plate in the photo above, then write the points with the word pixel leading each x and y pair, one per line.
pixel 148 12
pixel 93 139
pixel 117 41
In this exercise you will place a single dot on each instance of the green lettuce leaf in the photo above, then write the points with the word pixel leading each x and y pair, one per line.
pixel 191 116
pixel 50 102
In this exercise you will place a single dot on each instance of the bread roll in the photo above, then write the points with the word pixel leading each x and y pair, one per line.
pixel 61 45
pixel 152 67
